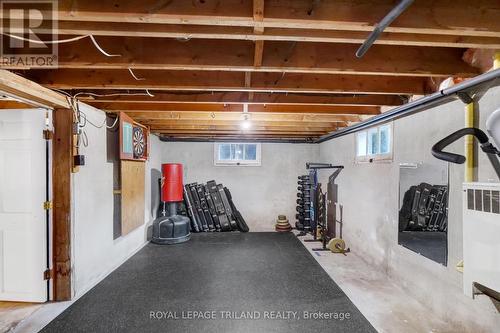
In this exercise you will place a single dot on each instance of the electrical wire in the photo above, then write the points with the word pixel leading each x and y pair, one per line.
pixel 34 41
pixel 147 93
pixel 104 123
pixel 61 41
pixel 134 76
pixel 100 49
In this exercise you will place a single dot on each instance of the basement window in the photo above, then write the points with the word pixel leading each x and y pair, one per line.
pixel 374 144
pixel 242 154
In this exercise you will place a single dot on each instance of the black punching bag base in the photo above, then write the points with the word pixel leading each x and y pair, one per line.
pixel 171 230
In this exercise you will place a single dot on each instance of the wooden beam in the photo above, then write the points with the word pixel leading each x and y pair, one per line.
pixel 201 97
pixel 62 159
pixel 282 118
pixel 240 55
pixel 237 123
pixel 459 18
pixel 259 53
pixel 186 32
pixel 6 104
pixel 315 109
pixel 229 81
pixel 145 107
pixel 30 92
pixel 258 17
pixel 218 133
pixel 236 127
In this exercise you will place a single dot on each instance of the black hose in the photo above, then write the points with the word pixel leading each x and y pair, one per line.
pixel 437 149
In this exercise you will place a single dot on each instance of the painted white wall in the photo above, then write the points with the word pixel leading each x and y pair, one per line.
pixel 94 252
pixel 369 193
pixel 259 192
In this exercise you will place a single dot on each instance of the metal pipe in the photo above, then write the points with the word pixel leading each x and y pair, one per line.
pixel 418 105
pixel 379 27
pixel 469 144
pixel 496 60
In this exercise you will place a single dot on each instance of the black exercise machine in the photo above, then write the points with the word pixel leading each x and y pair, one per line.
pixel 313 215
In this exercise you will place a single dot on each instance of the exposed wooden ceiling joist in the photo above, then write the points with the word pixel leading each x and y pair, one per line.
pixel 237 55
pixel 236 125
pixel 194 63
pixel 187 32
pixel 29 92
pixel 461 17
pixel 254 127
pixel 228 81
pixel 238 116
pixel 148 108
pixel 5 104
pixel 242 97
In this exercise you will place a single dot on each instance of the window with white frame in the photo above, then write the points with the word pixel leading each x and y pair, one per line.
pixel 374 144
pixel 244 154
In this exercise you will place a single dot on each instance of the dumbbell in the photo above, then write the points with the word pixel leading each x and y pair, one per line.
pixel 304 182
pixel 304 195
pixel 302 215
pixel 302 209
pixel 304 177
pixel 303 201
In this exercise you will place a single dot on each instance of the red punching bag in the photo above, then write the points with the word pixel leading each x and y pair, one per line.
pixel 172 188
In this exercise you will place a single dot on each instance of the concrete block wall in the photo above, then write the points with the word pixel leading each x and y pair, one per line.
pixel 259 192
pixel 370 194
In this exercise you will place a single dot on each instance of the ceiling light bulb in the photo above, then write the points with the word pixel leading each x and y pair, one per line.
pixel 246 124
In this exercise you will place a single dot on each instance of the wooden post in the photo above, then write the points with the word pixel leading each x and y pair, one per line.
pixel 61 178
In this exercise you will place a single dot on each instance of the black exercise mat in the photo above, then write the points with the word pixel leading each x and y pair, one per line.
pixel 231 277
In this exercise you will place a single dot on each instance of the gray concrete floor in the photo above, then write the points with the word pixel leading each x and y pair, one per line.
pixel 385 304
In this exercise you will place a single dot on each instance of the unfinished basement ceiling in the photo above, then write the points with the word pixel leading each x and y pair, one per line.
pixel 198 69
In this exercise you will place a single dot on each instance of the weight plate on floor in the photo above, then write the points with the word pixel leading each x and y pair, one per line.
pixel 336 245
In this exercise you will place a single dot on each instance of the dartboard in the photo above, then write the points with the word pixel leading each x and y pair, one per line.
pixel 138 142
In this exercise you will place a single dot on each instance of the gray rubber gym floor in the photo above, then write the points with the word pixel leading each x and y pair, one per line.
pixel 230 277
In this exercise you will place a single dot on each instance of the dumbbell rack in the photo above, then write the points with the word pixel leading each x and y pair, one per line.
pixel 311 202
pixel 304 209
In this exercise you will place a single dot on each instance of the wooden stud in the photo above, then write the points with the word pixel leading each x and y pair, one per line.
pixel 62 160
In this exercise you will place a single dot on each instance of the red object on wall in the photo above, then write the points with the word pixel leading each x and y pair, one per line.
pixel 172 187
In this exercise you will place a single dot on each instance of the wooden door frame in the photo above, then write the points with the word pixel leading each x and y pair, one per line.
pixel 62 163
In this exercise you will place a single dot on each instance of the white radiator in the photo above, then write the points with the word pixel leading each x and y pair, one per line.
pixel 481 228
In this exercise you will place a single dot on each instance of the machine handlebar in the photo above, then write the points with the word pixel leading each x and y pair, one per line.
pixel 437 149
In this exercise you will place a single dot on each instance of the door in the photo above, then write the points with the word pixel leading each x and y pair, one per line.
pixel 23 241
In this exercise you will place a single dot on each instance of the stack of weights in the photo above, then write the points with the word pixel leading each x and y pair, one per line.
pixel 321 218
pixel 282 224
pixel 171 228
pixel 303 203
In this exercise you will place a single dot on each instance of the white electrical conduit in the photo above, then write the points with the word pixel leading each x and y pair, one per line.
pixel 61 41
